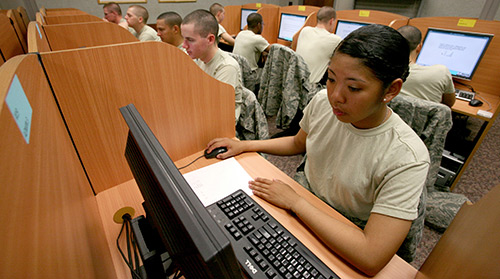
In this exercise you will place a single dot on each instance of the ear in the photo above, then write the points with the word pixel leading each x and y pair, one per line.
pixel 176 28
pixel 419 48
pixel 211 39
pixel 393 90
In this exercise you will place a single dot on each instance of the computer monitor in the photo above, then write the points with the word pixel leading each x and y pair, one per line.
pixel 460 51
pixel 193 240
pixel 244 15
pixel 344 27
pixel 289 25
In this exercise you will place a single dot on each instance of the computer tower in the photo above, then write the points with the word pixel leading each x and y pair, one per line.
pixel 451 164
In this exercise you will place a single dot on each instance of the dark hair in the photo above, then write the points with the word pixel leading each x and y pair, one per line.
pixel 113 7
pixel 140 11
pixel 253 20
pixel 381 48
pixel 171 18
pixel 412 34
pixel 204 22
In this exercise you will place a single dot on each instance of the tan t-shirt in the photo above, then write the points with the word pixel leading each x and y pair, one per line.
pixel 224 68
pixel 316 46
pixel 250 45
pixel 360 171
pixel 428 82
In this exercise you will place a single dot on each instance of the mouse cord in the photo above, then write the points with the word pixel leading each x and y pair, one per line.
pixel 190 163
pixel 489 105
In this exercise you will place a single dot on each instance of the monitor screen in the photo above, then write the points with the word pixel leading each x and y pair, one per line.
pixel 196 244
pixel 344 27
pixel 289 25
pixel 244 15
pixel 460 51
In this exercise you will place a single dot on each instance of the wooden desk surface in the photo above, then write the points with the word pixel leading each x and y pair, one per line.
pixel 128 194
pixel 463 107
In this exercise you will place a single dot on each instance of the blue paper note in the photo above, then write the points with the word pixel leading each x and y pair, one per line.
pixel 20 108
pixel 38 28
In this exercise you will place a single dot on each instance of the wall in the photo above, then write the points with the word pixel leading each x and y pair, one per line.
pixel 428 8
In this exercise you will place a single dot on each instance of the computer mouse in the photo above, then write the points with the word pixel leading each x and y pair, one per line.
pixel 215 152
pixel 475 103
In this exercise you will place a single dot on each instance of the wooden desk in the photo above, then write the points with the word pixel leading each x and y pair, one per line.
pixel 127 194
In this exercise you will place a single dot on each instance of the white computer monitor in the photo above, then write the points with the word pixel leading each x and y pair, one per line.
pixel 244 15
pixel 289 25
pixel 344 27
pixel 460 51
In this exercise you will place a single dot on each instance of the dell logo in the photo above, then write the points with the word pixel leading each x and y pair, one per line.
pixel 250 266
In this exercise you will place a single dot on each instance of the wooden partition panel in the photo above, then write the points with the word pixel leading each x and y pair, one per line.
pixel 40 18
pixel 157 78
pixel 371 16
pixel 232 19
pixel 19 33
pixel 485 79
pixel 9 42
pixel 24 16
pixel 88 34
pixel 297 10
pixel 51 224
pixel 64 11
pixel 63 19
pixel 37 40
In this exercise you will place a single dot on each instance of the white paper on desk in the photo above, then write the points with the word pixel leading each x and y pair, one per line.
pixel 214 182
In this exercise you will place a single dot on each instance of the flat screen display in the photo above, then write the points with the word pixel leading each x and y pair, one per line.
pixel 244 15
pixel 460 51
pixel 344 27
pixel 289 25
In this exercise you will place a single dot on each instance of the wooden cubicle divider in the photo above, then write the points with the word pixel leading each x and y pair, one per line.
pixel 40 18
pixel 485 80
pixel 37 39
pixel 14 19
pixel 63 19
pixel 64 11
pixel 24 16
pixel 232 19
pixel 51 222
pixel 88 34
pixel 371 16
pixel 297 10
pixel 155 77
pixel 10 45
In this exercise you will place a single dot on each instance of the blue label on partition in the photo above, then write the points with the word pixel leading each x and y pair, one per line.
pixel 20 108
pixel 38 28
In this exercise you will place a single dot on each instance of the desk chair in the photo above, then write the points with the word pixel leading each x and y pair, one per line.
pixel 431 121
pixel 284 85
pixel 252 124
pixel 469 247
pixel 249 76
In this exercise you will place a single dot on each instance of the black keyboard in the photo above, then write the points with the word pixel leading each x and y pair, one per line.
pixel 464 95
pixel 263 247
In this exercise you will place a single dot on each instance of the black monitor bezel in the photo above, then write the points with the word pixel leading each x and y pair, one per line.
pixel 203 249
pixel 477 34
pixel 281 21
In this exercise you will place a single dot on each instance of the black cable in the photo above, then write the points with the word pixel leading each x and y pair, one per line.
pixel 466 85
pixel 126 219
pixel 190 163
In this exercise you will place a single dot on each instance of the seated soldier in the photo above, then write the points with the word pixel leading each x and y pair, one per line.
pixel 250 44
pixel 433 83
pixel 137 18
pixel 199 29
pixel 316 44
pixel 219 13
pixel 168 25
